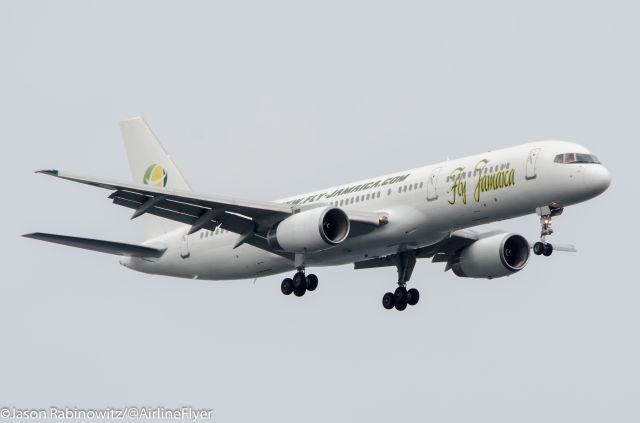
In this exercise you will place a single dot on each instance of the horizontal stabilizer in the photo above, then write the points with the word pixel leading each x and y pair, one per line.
pixel 109 247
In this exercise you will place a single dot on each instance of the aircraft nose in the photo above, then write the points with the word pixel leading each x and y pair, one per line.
pixel 597 179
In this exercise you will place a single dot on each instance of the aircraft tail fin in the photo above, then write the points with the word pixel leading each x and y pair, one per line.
pixel 151 165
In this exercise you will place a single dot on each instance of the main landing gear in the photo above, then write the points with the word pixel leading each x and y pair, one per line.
pixel 546 213
pixel 401 297
pixel 299 284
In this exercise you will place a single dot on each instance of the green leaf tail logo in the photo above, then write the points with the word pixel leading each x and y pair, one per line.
pixel 155 176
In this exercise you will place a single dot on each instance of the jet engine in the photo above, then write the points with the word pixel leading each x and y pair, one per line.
pixel 492 257
pixel 311 230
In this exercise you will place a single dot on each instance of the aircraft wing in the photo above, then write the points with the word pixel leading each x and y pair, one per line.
pixel 444 250
pixel 248 218
pixel 175 201
pixel 441 251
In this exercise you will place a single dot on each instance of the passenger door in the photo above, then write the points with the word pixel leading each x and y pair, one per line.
pixel 432 184
pixel 531 164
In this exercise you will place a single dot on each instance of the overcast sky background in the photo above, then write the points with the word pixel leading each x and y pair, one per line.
pixel 269 99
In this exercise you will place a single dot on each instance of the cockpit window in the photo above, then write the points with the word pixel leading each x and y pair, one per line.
pixel 576 158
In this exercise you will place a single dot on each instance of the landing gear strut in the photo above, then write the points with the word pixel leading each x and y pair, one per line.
pixel 401 297
pixel 546 214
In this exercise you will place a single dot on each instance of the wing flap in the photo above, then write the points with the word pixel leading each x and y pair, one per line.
pixel 108 247
pixel 229 222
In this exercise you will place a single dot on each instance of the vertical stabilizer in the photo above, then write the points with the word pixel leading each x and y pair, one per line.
pixel 151 165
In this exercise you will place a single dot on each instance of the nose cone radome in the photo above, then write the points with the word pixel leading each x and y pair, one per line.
pixel 597 179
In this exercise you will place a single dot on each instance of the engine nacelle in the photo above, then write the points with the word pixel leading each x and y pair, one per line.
pixel 310 230
pixel 492 257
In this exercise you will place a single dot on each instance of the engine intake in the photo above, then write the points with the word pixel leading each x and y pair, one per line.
pixel 492 257
pixel 311 230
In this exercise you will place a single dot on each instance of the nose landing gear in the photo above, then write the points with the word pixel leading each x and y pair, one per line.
pixel 546 214
pixel 542 248
pixel 401 297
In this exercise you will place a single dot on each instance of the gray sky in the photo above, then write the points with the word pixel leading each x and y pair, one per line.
pixel 269 99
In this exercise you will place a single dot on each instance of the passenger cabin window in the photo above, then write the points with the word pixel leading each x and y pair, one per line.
pixel 568 158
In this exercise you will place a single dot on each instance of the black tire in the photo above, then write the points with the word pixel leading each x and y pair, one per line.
pixel 401 306
pixel 401 295
pixel 286 286
pixel 548 250
pixel 299 281
pixel 538 248
pixel 413 296
pixel 312 282
pixel 388 300
pixel 299 292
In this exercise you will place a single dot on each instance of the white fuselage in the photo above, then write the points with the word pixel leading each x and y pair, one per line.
pixel 423 206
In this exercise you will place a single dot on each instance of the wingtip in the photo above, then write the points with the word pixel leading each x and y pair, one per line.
pixel 52 172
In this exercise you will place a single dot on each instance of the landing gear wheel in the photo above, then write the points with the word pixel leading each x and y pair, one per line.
pixel 312 282
pixel 401 298
pixel 299 292
pixel 538 248
pixel 388 300
pixel 413 296
pixel 401 294
pixel 299 281
pixel 287 286
pixel 548 250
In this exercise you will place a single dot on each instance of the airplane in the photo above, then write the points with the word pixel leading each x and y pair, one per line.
pixel 390 220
